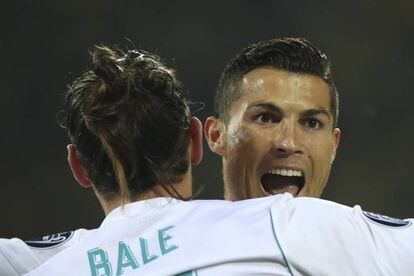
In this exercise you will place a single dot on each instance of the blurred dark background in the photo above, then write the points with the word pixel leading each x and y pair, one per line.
pixel 44 46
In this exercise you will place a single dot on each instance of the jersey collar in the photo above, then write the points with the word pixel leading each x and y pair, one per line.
pixel 135 208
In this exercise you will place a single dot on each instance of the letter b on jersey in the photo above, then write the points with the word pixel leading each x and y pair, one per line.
pixel 99 263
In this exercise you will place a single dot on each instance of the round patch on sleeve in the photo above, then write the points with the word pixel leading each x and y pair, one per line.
pixel 386 220
pixel 50 241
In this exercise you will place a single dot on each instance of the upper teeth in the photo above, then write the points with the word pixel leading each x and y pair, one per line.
pixel 286 172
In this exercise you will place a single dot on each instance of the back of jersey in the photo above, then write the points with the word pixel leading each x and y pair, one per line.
pixel 277 235
pixel 165 236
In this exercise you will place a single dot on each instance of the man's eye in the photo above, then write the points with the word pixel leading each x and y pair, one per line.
pixel 313 123
pixel 264 118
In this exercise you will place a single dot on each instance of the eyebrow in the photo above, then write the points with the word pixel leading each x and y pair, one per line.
pixel 269 106
pixel 316 111
pixel 274 108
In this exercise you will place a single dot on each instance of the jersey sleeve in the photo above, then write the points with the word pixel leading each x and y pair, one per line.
pixel 320 237
pixel 16 257
pixel 47 246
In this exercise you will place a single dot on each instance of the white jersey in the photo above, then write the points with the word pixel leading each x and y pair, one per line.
pixel 277 235
pixel 18 257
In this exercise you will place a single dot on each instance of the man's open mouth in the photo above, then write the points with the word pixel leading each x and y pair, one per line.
pixel 278 181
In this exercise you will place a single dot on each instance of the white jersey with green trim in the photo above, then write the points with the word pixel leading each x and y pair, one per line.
pixel 18 257
pixel 277 235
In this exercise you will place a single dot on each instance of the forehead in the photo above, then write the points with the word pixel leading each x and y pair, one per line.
pixel 282 88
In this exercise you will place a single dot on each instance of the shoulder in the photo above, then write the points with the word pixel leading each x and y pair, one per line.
pixel 16 257
pixel 53 243
pixel 22 256
pixel 319 234
pixel 323 215
pixel 331 214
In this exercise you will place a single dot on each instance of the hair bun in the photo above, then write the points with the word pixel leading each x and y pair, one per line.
pixel 104 62
pixel 158 80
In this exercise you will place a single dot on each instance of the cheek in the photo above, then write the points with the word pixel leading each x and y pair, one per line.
pixel 322 154
pixel 241 145
pixel 239 138
pixel 248 144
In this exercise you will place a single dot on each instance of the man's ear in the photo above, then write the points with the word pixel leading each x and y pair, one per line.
pixel 215 132
pixel 196 133
pixel 336 140
pixel 78 170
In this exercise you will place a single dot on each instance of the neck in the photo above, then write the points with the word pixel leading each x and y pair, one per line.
pixel 183 188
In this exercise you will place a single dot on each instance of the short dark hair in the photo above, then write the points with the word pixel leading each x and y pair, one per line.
pixel 290 54
pixel 129 122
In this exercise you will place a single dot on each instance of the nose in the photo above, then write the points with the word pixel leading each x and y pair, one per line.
pixel 287 141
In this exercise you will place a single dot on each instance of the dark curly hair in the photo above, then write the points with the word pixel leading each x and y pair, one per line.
pixel 129 122
pixel 295 55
